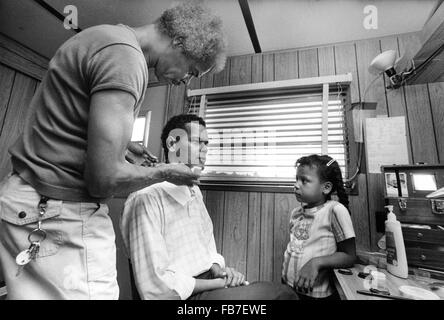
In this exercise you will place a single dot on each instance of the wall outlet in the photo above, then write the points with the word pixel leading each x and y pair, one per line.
pixel 351 188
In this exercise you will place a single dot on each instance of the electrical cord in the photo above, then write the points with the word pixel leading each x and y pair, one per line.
pixel 366 89
pixel 360 148
pixel 191 104
pixel 358 165
pixel 405 75
pixel 425 62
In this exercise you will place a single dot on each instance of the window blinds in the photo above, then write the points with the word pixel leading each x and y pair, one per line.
pixel 259 136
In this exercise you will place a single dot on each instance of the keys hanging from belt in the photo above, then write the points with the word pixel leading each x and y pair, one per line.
pixel 35 237
pixel 43 204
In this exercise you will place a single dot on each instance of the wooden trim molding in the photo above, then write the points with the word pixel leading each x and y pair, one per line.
pixel 241 187
pixel 21 58
pixel 304 82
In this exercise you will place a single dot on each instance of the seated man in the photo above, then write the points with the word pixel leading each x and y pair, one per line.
pixel 169 235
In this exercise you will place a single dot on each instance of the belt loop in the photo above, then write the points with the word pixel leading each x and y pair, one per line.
pixel 43 203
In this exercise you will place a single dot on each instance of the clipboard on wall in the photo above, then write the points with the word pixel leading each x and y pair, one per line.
pixel 385 142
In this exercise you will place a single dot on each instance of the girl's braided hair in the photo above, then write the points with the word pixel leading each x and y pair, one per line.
pixel 328 170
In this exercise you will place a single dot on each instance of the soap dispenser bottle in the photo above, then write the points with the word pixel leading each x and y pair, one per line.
pixel 396 256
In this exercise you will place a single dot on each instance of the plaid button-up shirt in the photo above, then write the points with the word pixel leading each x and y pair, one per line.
pixel 168 236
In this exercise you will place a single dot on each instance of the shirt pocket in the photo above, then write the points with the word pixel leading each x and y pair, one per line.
pixel 21 217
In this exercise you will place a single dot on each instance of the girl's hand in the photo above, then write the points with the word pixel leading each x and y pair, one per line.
pixel 304 282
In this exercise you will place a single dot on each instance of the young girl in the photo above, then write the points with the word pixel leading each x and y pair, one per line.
pixel 321 231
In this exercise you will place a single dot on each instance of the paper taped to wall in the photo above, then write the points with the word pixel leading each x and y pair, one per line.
pixel 386 142
pixel 362 111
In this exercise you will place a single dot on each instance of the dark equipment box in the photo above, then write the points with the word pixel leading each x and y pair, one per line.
pixel 422 218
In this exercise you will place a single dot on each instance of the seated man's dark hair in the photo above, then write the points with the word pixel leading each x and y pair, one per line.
pixel 178 122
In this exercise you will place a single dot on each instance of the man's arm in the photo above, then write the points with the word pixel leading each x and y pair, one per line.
pixel 208 284
pixel 110 126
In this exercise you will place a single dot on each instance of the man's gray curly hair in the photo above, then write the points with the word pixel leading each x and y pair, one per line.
pixel 200 31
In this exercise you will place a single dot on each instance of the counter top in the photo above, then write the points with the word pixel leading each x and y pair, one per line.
pixel 347 285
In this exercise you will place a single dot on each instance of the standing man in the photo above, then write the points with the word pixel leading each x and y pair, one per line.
pixel 56 238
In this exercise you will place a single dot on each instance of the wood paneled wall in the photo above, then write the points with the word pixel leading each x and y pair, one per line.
pixel 251 228
pixel 16 90
pixel 21 71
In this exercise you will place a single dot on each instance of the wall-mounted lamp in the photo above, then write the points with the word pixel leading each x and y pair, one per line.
pixel 386 62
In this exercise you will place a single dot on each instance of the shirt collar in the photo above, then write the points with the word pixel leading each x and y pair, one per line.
pixel 313 210
pixel 182 194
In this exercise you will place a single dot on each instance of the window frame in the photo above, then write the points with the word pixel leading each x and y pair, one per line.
pixel 146 129
pixel 324 83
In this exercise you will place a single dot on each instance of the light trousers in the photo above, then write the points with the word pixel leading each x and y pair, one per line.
pixel 76 260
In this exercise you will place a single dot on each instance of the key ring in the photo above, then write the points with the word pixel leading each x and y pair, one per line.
pixel 35 231
pixel 43 204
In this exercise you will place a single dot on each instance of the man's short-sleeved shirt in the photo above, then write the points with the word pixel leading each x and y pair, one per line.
pixel 51 153
pixel 314 232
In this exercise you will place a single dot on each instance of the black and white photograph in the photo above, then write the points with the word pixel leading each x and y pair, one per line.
pixel 393 188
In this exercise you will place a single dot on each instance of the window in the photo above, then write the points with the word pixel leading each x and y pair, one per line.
pixel 141 129
pixel 138 129
pixel 258 135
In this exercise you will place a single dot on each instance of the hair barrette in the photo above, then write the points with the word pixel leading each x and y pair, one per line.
pixel 330 162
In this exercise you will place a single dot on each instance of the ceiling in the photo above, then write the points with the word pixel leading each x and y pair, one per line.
pixel 279 24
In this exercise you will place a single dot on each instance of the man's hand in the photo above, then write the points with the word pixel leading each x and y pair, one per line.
pixel 234 278
pixel 138 154
pixel 178 174
pixel 304 282
pixel 217 271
